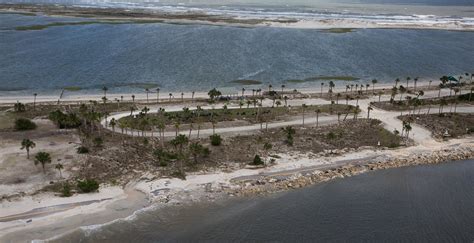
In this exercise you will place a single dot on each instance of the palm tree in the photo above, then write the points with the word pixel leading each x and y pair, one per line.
pixel 132 109
pixel 190 129
pixel 42 158
pixel 322 84
pixel 170 94
pixel 338 95
pixel 270 88
pixel 157 95
pixel 402 91
pixel 374 81
pixel 356 112
pixel 278 103
pixel 317 117
pixel 118 104
pixel 147 91
pixel 429 84
pixel 380 93
pixel 161 127
pixel 105 91
pixel 289 131
pixel 282 87
pixel 368 111
pixel 347 99
pixel 407 128
pixel 34 101
pixel 27 144
pixel 331 85
pixel 352 86
pixel 243 92
pixel 408 80
pixel 177 124
pixel 442 103
pixel 304 107
pixel 347 87
pixel 59 167
pixel 367 88
pixel 192 96
pixel 285 98
pixel 182 97
pixel 397 81
pixel 415 80
pixel 179 142
pixel 112 123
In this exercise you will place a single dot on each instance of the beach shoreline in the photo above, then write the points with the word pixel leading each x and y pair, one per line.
pixel 223 186
pixel 228 19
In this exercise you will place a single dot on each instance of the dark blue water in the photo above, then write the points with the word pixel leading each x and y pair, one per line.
pixel 185 57
pixel 416 204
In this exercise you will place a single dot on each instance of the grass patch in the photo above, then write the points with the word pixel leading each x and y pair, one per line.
pixel 55 24
pixel 338 30
pixel 19 13
pixel 220 115
pixel 323 78
pixel 335 78
pixel 246 82
pixel 72 88
pixel 138 85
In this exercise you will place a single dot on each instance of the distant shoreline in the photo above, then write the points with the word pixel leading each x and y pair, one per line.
pixel 340 24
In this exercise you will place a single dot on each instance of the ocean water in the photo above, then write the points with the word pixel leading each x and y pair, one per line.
pixel 200 57
pixel 414 204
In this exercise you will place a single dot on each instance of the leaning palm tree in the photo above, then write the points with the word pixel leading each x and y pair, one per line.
pixel 59 167
pixel 415 80
pixel 408 80
pixel 42 158
pixel 368 111
pixel 27 145
pixel 402 91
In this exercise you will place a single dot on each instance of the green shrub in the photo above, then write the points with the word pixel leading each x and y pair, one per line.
pixel 179 174
pixel 87 186
pixel 216 140
pixel 64 121
pixel 19 107
pixel 66 190
pixel 257 160
pixel 98 142
pixel 23 124
pixel 82 150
